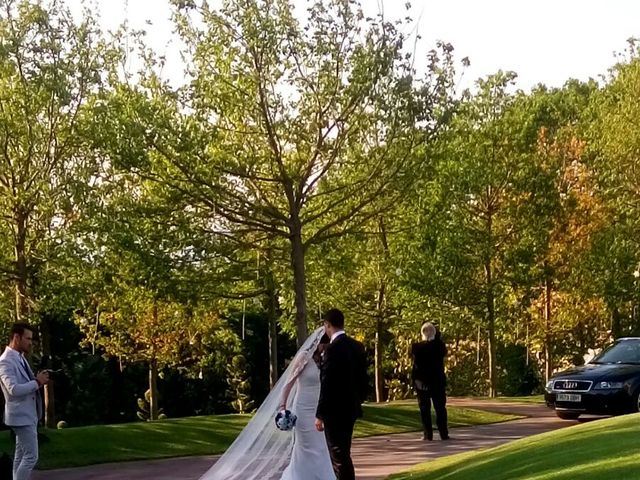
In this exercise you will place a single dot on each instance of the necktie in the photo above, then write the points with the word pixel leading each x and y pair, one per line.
pixel 26 367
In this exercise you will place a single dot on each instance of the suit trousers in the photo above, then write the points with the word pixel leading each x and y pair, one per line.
pixel 338 433
pixel 26 455
pixel 439 399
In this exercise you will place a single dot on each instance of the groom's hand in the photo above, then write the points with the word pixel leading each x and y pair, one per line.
pixel 319 425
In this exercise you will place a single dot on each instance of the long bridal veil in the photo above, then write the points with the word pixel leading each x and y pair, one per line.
pixel 261 451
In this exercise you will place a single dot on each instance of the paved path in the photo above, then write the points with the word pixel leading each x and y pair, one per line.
pixel 375 457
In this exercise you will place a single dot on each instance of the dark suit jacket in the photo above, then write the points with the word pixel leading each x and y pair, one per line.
pixel 343 380
pixel 428 363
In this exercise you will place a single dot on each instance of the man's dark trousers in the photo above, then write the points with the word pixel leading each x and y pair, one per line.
pixel 439 399
pixel 338 433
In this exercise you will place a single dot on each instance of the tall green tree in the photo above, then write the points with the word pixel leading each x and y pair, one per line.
pixel 289 130
pixel 612 151
pixel 149 264
pixel 50 65
pixel 565 215
pixel 473 214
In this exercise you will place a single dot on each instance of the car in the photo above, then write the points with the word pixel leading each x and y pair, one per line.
pixel 609 384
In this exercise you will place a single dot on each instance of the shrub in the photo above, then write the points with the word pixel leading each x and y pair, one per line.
pixel 144 407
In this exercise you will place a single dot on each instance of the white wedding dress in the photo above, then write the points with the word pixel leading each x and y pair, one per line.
pixel 261 451
pixel 310 457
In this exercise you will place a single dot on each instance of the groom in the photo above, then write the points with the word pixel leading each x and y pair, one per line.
pixel 344 384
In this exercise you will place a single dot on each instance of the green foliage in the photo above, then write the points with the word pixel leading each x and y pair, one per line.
pixel 518 376
pixel 304 164
pixel 239 385
pixel 50 66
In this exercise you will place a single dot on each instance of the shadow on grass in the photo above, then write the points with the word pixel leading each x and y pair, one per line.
pixel 603 450
pixel 205 435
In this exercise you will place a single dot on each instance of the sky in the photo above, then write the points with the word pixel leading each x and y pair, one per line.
pixel 543 41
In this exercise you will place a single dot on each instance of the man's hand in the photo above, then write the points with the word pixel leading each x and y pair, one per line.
pixel 319 425
pixel 42 378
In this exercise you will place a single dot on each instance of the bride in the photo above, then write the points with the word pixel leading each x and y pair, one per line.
pixel 261 451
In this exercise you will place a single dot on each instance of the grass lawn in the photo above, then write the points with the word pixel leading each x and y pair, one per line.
pixel 403 416
pixel 206 435
pixel 604 450
pixel 523 399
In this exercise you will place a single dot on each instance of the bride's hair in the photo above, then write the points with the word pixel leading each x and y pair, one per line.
pixel 322 345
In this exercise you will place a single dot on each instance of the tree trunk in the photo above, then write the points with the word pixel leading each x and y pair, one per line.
pixel 22 304
pixel 153 388
pixel 49 399
pixel 616 329
pixel 478 345
pixel 490 304
pixel 380 317
pixel 299 279
pixel 491 330
pixel 379 377
pixel 526 342
pixel 548 363
pixel 273 350
pixel 153 375
pixel 272 312
pixel 49 405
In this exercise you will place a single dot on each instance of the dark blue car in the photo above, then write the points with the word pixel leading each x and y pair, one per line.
pixel 607 385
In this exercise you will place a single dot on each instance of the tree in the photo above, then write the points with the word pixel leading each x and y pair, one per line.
pixel 565 212
pixel 613 142
pixel 49 67
pixel 357 273
pixel 148 265
pixel 288 132
pixel 474 208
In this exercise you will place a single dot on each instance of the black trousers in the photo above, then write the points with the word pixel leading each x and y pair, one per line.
pixel 338 433
pixel 439 399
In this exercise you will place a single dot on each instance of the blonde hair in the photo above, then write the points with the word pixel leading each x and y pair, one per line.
pixel 428 331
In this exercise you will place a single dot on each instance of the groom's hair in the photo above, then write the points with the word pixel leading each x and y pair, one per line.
pixel 334 317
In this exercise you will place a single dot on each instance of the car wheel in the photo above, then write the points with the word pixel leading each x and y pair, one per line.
pixel 568 415
pixel 635 402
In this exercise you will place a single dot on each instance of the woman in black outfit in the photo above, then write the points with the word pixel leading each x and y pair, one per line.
pixel 430 381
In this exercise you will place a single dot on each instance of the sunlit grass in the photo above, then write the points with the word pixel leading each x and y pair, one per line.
pixel 205 435
pixel 604 450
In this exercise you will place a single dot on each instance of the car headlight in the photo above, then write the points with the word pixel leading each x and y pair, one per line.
pixel 549 386
pixel 608 385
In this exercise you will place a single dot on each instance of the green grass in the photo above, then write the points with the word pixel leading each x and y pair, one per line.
pixel 206 435
pixel 523 399
pixel 403 416
pixel 603 450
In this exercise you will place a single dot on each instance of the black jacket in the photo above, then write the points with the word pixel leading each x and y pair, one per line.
pixel 344 382
pixel 428 363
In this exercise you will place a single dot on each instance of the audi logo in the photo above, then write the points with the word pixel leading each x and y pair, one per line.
pixel 570 385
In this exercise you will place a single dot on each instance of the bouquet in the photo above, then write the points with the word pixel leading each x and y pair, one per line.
pixel 285 420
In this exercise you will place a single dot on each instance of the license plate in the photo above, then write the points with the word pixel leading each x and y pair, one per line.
pixel 568 397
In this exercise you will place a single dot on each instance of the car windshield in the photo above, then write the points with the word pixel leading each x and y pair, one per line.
pixel 623 351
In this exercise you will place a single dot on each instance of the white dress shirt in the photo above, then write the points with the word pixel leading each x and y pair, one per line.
pixel 336 335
